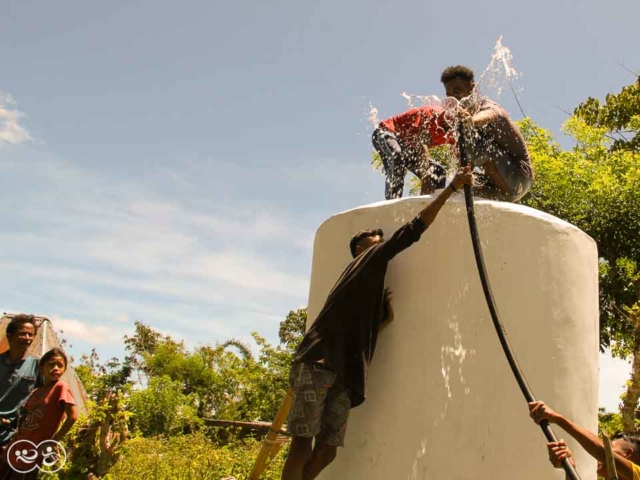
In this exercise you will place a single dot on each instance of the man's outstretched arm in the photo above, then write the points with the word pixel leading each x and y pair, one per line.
pixel 588 440
pixel 430 212
pixel 410 233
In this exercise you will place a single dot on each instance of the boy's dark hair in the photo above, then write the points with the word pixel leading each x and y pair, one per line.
pixel 457 71
pixel 633 439
pixel 360 235
pixel 54 352
pixel 19 320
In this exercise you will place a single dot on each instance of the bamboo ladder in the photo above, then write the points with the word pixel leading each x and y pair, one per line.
pixel 273 440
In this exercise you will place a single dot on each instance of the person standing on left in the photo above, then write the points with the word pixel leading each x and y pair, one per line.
pixel 18 373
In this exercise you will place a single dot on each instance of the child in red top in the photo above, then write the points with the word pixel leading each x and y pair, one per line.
pixel 43 412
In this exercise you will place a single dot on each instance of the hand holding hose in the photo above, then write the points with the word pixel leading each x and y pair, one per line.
pixel 463 177
pixel 539 412
pixel 558 452
pixel 465 118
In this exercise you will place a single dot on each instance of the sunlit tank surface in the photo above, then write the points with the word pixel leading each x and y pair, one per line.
pixel 441 399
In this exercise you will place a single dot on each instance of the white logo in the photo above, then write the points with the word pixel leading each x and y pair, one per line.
pixel 25 456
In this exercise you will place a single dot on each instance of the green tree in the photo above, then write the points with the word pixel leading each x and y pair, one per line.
pixel 608 422
pixel 153 355
pixel 292 330
pixel 96 440
pixel 596 186
pixel 169 391
pixel 596 189
pixel 163 409
pixel 619 115
pixel 264 380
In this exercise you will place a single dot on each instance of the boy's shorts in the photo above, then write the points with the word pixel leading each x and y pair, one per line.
pixel 320 404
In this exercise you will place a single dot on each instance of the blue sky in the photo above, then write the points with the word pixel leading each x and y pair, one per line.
pixel 169 162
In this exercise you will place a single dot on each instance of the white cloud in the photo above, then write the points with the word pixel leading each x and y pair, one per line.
pixel 108 252
pixel 78 330
pixel 10 129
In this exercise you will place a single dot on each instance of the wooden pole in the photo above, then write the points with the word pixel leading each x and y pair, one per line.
pixel 270 444
pixel 258 426
pixel 609 461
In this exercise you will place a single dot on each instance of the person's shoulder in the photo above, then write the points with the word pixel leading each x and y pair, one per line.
pixel 32 359
pixel 31 362
pixel 412 229
pixel 62 385
pixel 362 262
pixel 408 113
pixel 62 390
pixel 429 109
pixel 365 255
pixel 486 103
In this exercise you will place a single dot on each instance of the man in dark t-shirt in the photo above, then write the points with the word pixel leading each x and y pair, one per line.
pixel 493 142
pixel 18 373
pixel 403 142
pixel 329 372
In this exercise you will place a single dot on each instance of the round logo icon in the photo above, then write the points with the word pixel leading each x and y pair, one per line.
pixel 24 456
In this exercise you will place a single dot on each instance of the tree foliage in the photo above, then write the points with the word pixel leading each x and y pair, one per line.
pixel 619 115
pixel 162 408
pixel 163 392
pixel 596 188
pixel 193 456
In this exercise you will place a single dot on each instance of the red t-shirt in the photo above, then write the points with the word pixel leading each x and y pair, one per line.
pixel 44 412
pixel 45 409
pixel 425 124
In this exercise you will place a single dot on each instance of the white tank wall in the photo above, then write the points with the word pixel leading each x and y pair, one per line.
pixel 441 399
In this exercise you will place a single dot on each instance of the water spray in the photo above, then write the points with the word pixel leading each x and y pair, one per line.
pixel 571 472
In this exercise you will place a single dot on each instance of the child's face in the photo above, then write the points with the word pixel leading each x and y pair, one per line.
pixel 53 369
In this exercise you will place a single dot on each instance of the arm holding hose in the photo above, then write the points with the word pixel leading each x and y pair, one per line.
pixel 427 216
pixel 588 440
pixel 477 120
pixel 430 212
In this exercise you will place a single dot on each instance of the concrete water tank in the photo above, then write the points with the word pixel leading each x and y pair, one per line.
pixel 441 399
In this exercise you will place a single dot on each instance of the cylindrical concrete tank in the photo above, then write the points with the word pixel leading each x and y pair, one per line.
pixel 441 399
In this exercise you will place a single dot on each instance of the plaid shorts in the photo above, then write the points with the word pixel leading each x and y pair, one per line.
pixel 320 404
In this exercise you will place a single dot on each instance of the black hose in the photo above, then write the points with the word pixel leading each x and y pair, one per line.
pixel 571 472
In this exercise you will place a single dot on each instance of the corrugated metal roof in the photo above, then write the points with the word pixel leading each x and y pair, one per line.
pixel 44 340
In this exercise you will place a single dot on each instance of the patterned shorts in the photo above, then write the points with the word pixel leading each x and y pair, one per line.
pixel 320 405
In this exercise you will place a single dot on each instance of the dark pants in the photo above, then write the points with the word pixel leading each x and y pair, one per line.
pixel 397 160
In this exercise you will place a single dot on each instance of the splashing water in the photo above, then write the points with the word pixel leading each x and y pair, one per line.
pixel 425 100
pixel 500 74
pixel 421 453
pixel 449 356
pixel 412 101
pixel 455 354
pixel 373 115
